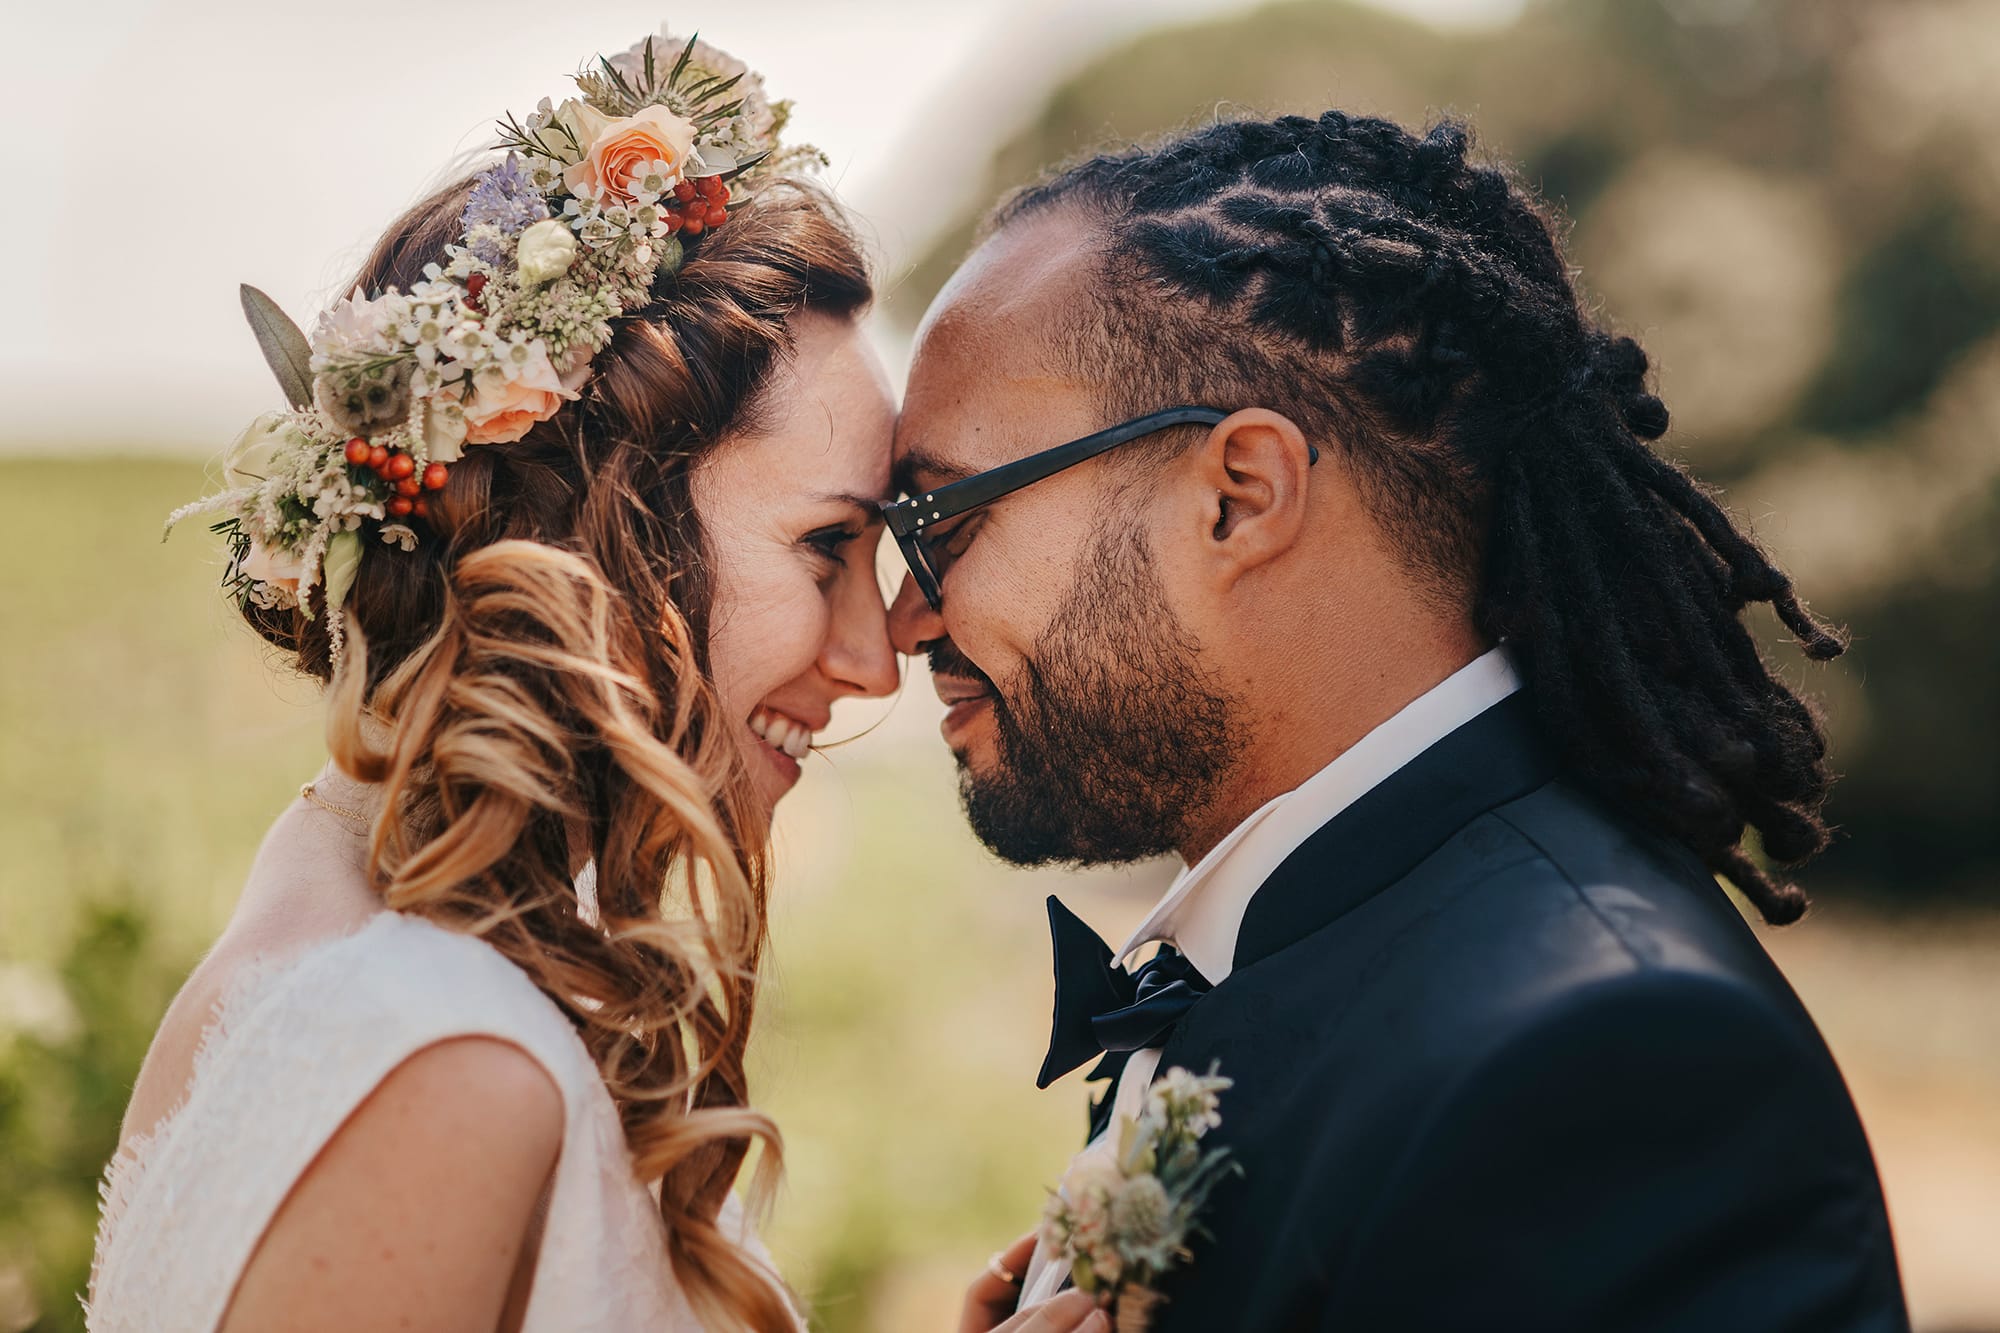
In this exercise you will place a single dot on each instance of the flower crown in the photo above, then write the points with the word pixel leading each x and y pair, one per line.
pixel 593 202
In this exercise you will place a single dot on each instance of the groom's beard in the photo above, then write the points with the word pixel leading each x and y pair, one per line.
pixel 1112 738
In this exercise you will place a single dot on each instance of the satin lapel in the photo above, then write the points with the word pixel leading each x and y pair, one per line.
pixel 1497 757
pixel 1111 1067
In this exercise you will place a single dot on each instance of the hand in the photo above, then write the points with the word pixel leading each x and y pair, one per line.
pixel 989 1302
pixel 1071 1312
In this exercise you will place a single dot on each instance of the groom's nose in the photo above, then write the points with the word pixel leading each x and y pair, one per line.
pixel 912 623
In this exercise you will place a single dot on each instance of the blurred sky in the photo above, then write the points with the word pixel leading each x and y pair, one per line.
pixel 167 152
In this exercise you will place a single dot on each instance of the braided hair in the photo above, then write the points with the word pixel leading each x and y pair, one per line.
pixel 1388 294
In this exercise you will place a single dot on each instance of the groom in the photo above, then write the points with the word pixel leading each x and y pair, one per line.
pixel 1399 633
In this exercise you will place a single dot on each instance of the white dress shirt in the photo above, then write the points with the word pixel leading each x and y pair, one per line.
pixel 1203 908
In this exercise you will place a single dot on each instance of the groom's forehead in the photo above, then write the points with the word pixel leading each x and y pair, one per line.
pixel 987 381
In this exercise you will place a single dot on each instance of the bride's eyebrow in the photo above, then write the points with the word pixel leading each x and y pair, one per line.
pixel 868 505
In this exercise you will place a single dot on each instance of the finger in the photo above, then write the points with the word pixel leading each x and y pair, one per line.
pixel 991 1297
pixel 1071 1312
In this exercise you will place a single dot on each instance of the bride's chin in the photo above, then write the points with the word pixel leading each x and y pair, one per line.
pixel 776 774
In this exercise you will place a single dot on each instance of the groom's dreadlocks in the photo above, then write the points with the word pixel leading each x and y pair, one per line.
pixel 1386 293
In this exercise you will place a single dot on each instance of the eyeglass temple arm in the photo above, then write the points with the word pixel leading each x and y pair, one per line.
pixel 950 501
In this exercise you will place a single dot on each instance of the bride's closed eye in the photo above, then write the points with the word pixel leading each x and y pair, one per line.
pixel 831 543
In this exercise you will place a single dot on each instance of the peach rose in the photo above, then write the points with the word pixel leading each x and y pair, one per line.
pixel 503 409
pixel 624 148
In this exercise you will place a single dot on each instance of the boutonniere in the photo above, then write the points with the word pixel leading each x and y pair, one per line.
pixel 1127 1208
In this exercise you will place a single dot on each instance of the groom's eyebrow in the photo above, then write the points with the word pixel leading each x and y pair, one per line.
pixel 933 471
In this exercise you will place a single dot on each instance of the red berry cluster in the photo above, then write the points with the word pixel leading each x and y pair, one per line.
pixel 400 471
pixel 699 205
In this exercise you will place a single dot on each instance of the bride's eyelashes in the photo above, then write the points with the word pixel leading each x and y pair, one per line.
pixel 829 544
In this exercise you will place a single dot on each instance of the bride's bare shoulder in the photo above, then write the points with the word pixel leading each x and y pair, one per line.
pixel 454 1147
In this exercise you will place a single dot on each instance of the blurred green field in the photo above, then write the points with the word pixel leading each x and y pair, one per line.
pixel 145 742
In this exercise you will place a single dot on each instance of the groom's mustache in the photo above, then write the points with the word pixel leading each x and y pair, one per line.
pixel 946 660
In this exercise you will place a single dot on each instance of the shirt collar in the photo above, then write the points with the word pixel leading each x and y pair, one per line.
pixel 1202 910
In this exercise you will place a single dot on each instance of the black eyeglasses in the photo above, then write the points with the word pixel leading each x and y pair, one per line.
pixel 915 522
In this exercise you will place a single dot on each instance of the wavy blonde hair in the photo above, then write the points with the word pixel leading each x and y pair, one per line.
pixel 530 685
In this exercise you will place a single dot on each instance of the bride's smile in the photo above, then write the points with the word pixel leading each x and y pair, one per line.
pixel 788 515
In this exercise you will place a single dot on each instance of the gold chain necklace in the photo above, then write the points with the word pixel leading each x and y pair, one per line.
pixel 354 816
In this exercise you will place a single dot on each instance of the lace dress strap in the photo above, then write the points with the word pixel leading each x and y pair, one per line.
pixel 290 1057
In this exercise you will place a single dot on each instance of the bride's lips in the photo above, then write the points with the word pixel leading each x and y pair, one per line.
pixel 964 700
pixel 783 740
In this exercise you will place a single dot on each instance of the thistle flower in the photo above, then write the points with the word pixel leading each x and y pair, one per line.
pixel 1127 1208
pixel 1141 1212
pixel 505 198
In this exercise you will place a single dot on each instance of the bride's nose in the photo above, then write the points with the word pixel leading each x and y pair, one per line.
pixel 912 623
pixel 858 656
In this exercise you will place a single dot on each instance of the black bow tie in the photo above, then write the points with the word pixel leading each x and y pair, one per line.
pixel 1102 1008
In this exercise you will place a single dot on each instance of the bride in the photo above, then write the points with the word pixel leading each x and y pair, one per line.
pixel 574 512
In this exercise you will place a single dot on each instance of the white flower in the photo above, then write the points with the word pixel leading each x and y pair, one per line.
pixel 441 419
pixel 545 174
pixel 425 328
pixel 355 329
pixel 400 536
pixel 260 450
pixel 1188 1097
pixel 523 356
pixel 1092 1179
pixel 1054 1231
pixel 652 180
pixel 467 341
pixel 546 251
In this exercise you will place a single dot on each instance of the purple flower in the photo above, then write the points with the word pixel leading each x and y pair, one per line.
pixel 504 197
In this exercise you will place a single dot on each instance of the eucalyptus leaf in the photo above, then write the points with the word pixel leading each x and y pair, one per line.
pixel 284 347
pixel 337 570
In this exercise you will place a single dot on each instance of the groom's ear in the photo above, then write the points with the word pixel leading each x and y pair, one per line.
pixel 1252 476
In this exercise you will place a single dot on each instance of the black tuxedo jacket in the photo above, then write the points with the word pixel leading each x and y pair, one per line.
pixel 1505 1061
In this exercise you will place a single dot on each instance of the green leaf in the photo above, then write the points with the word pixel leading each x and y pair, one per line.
pixel 284 347
pixel 707 89
pixel 671 253
pixel 617 81
pixel 673 79
pixel 338 568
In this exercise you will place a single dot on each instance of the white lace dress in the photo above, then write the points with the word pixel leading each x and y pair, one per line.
pixel 294 1050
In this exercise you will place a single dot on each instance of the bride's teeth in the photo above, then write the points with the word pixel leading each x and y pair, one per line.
pixel 781 733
